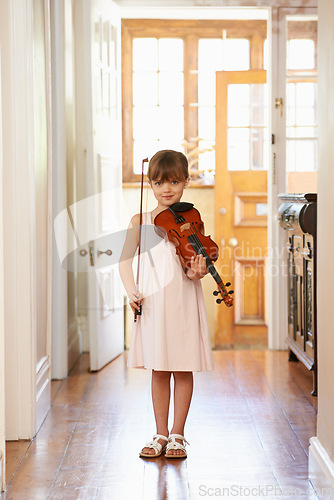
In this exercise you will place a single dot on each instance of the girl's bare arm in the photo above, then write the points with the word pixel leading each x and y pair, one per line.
pixel 125 264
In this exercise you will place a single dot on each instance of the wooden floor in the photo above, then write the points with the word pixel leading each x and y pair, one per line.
pixel 249 427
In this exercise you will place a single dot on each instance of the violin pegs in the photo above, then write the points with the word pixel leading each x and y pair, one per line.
pixel 219 301
pixel 228 284
pixel 215 292
pixel 231 291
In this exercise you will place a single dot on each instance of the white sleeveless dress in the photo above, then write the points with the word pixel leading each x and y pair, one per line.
pixel 172 332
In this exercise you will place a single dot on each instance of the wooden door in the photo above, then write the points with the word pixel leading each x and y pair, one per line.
pixel 241 205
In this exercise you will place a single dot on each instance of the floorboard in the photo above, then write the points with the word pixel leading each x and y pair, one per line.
pixel 249 427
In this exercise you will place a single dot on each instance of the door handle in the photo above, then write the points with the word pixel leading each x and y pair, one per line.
pixel 108 252
pixel 91 253
pixel 279 104
pixel 233 242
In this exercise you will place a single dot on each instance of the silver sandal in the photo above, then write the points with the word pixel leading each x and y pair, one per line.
pixel 155 445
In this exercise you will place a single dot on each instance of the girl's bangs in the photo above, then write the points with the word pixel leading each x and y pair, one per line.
pixel 166 171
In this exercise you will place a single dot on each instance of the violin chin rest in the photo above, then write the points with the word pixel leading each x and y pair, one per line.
pixel 181 206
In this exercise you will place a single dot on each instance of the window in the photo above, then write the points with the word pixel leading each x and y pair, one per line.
pixel 168 79
pixel 158 97
pixel 214 54
pixel 301 95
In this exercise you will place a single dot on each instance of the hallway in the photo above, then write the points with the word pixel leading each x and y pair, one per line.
pixel 249 426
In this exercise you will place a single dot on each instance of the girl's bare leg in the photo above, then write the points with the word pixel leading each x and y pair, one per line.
pixel 160 399
pixel 183 389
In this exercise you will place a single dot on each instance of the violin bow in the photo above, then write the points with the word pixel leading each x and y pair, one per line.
pixel 138 313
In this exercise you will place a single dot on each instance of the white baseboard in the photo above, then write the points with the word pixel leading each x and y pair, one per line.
pixel 74 347
pixel 82 321
pixel 43 391
pixel 321 470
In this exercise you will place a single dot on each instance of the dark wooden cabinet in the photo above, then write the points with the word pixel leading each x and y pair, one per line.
pixel 298 216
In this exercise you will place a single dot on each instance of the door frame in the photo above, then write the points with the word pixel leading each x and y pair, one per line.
pixel 17 81
pixel 2 319
pixel 277 285
pixel 59 339
pixel 27 380
pixel 19 220
pixel 277 279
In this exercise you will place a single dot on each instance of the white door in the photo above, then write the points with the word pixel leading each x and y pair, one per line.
pixel 294 139
pixel 298 77
pixel 100 211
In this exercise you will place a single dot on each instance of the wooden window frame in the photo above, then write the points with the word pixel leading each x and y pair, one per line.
pixel 191 31
pixel 303 30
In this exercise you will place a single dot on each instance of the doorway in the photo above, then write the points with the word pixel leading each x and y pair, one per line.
pixel 202 47
pixel 88 301
pixel 183 56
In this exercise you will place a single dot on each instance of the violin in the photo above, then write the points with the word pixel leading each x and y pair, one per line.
pixel 184 227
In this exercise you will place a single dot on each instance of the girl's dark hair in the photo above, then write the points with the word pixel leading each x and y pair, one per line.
pixel 168 165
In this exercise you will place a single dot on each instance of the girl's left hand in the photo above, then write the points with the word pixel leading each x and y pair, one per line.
pixel 198 267
pixel 135 300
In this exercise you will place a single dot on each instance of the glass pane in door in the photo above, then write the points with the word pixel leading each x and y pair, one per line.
pixel 301 95
pixel 217 54
pixel 247 119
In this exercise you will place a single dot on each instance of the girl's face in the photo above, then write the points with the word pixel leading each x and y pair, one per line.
pixel 168 192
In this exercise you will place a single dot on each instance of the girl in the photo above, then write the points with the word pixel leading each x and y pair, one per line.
pixel 171 335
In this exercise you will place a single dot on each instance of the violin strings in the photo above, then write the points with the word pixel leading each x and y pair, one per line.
pixel 199 249
pixel 198 244
pixel 210 266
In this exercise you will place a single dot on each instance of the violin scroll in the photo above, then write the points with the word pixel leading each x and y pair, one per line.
pixel 226 295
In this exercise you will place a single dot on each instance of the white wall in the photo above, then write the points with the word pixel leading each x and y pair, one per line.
pixel 17 112
pixel 26 216
pixel 325 225
pixel 322 447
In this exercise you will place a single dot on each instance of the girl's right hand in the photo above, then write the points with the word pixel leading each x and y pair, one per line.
pixel 135 299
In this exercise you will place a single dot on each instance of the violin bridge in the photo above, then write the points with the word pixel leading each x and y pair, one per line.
pixel 185 227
